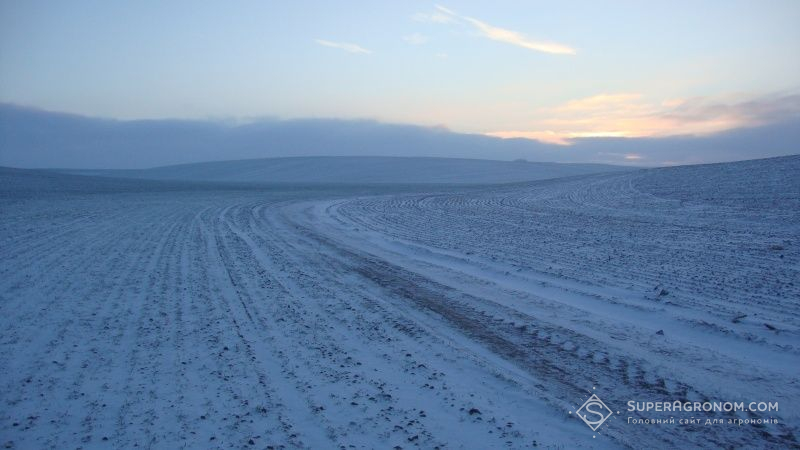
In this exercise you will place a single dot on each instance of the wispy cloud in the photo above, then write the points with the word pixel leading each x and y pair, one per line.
pixel 434 17
pixel 514 38
pixel 352 48
pixel 499 34
pixel 416 39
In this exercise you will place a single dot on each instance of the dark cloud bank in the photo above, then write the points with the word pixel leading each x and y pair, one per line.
pixel 31 138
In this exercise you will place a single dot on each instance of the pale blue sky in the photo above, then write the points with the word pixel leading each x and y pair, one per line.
pixel 639 68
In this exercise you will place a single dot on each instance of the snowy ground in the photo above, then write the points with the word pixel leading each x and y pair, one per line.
pixel 166 315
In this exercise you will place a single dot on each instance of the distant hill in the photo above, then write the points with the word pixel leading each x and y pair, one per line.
pixel 361 169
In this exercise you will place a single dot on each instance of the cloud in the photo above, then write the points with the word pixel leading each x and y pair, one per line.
pixel 352 48
pixel 435 17
pixel 449 12
pixel 504 35
pixel 514 38
pixel 600 102
pixel 35 138
pixel 416 39
pixel 758 111
pixel 626 115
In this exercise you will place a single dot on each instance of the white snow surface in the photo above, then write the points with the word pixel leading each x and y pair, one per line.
pixel 141 314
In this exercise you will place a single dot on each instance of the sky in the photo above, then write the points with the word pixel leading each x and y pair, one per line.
pixel 544 70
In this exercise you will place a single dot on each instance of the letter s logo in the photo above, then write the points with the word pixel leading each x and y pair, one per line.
pixel 594 412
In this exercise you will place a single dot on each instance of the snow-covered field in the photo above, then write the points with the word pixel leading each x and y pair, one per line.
pixel 169 315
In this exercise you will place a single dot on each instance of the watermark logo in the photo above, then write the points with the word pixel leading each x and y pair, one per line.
pixel 594 412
